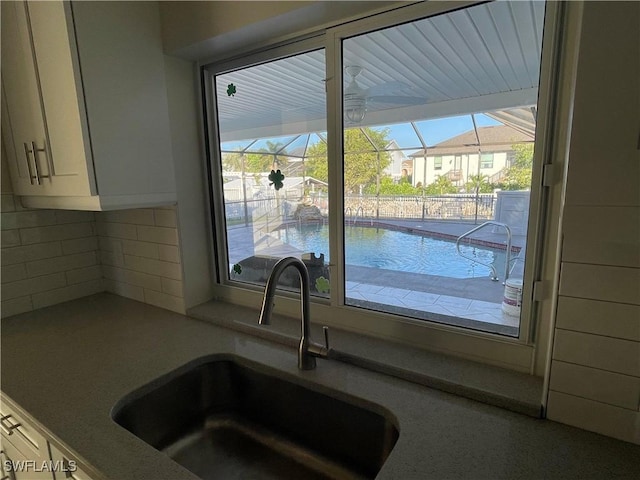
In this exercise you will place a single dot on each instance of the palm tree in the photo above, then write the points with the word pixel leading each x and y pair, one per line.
pixel 276 153
pixel 478 184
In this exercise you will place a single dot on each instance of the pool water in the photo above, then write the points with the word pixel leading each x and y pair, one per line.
pixel 399 251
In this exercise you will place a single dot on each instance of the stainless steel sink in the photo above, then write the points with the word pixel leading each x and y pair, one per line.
pixel 230 419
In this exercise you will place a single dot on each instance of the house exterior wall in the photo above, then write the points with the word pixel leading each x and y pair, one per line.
pixel 426 173
pixel 395 167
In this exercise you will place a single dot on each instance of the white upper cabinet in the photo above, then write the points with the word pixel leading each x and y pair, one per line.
pixel 85 117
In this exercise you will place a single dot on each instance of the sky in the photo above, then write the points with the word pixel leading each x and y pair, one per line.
pixel 437 130
pixel 433 131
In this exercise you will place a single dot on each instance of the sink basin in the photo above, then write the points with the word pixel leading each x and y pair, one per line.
pixel 226 418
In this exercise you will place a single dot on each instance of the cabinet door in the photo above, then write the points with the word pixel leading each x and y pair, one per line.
pixel 17 466
pixel 54 47
pixel 69 468
pixel 22 116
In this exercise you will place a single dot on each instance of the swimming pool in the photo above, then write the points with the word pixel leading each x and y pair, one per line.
pixel 396 250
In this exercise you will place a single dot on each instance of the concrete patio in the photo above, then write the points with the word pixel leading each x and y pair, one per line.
pixel 471 302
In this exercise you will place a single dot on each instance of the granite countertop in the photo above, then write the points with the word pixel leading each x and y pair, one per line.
pixel 68 365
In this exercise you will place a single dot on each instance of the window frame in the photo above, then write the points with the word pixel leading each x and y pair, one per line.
pixel 483 162
pixel 437 165
pixel 515 353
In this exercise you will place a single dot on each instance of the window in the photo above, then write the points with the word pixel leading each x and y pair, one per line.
pixel 405 250
pixel 486 160
pixel 260 132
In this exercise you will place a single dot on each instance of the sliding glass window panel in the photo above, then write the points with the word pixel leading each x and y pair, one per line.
pixel 451 100
pixel 273 161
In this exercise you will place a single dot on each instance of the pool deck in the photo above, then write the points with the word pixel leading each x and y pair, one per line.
pixel 473 301
pixel 451 230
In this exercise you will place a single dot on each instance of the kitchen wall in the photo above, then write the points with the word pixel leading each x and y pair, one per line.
pixel 140 255
pixel 199 30
pixel 48 256
pixel 194 22
pixel 196 243
pixel 595 371
pixel 52 256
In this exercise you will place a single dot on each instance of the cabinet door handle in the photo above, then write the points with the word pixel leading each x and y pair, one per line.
pixel 32 177
pixel 7 426
pixel 35 150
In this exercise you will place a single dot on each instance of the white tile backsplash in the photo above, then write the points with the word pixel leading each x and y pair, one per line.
pixel 595 384
pixel 15 306
pixel 140 256
pixel 124 289
pixel 48 257
pixel 13 273
pixel 85 274
pixel 165 218
pixel 116 230
pixel 168 236
pixel 51 256
pixel 596 416
pixel 26 253
pixel 140 249
pixel 600 282
pixel 140 216
pixel 133 277
pixel 597 351
pixel 608 319
pixel 164 300
pixel 79 245
pixel 61 264
pixel 169 253
pixel 29 236
pixel 64 294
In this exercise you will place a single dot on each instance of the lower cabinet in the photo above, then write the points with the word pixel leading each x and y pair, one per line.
pixel 70 468
pixel 27 455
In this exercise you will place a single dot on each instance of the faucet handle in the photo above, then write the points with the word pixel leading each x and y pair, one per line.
pixel 325 330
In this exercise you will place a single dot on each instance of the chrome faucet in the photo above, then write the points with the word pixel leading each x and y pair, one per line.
pixel 307 350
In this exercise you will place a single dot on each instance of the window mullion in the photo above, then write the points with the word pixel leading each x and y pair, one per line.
pixel 333 49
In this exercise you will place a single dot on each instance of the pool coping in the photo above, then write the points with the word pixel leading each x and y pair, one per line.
pixel 435 234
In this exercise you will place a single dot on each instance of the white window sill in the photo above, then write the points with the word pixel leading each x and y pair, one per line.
pixel 511 390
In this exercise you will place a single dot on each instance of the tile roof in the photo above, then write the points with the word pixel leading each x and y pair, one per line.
pixel 497 138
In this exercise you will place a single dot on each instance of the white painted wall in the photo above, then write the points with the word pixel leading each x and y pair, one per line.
pixel 425 172
pixel 186 23
pixel 214 29
pixel 194 224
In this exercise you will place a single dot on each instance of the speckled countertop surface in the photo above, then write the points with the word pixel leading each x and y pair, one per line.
pixel 68 365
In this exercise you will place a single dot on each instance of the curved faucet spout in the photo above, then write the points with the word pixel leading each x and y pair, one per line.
pixel 306 356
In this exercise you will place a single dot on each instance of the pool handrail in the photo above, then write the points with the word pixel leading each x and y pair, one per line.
pixel 358 210
pixel 507 260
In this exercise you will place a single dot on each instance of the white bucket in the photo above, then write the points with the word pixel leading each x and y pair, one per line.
pixel 512 300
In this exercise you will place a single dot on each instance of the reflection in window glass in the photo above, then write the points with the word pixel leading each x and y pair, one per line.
pixel 422 168
pixel 273 152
